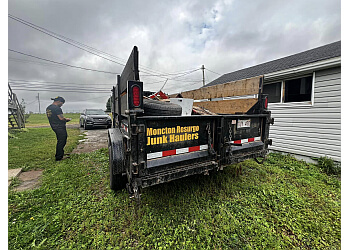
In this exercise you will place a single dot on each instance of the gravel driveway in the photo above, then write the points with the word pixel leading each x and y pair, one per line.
pixel 94 140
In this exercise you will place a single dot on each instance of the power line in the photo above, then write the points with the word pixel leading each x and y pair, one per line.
pixel 184 74
pixel 57 36
pixel 31 102
pixel 63 63
pixel 47 33
pixel 26 85
pixel 35 62
pixel 90 99
pixel 169 74
pixel 66 89
pixel 212 71
pixel 74 43
pixel 49 90
pixel 63 83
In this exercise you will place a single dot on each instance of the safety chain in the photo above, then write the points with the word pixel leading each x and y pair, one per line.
pixel 230 140
pixel 211 150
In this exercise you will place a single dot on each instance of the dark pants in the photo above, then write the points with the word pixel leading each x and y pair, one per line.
pixel 61 135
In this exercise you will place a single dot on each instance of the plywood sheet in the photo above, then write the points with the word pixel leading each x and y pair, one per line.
pixel 237 88
pixel 228 106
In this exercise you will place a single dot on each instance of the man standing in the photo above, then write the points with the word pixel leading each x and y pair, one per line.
pixel 58 124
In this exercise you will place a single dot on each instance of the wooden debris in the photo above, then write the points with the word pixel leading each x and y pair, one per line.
pixel 201 111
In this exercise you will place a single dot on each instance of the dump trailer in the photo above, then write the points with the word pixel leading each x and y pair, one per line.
pixel 160 145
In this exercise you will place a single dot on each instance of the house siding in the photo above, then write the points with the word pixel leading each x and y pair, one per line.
pixel 311 130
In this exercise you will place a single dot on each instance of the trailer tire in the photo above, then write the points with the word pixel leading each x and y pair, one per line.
pixel 160 108
pixel 117 181
pixel 117 176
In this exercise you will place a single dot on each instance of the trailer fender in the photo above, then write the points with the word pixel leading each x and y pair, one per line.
pixel 116 150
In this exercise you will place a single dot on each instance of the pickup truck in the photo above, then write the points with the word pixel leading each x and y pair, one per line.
pixel 146 150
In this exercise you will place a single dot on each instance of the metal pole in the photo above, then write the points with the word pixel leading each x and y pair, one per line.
pixel 39 103
pixel 203 74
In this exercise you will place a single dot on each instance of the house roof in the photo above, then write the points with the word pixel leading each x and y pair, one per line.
pixel 310 56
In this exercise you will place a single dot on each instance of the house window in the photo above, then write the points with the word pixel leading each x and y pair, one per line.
pixel 293 90
pixel 298 90
pixel 274 91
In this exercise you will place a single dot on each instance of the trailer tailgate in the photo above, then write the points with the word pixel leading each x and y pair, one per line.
pixel 174 139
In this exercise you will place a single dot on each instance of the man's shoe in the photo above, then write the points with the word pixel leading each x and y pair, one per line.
pixel 63 158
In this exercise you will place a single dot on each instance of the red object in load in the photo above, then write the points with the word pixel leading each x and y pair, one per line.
pixel 159 93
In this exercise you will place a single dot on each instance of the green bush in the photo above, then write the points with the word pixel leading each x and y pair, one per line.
pixel 329 166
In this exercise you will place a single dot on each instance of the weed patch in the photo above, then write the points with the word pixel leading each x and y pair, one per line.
pixel 329 166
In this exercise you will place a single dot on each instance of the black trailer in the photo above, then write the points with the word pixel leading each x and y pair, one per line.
pixel 145 150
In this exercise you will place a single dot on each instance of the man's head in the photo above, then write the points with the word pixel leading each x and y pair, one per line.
pixel 59 101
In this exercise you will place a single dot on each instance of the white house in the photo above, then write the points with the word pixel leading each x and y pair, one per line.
pixel 304 98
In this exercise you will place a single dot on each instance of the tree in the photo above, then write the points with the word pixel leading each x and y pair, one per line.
pixel 108 105
pixel 23 106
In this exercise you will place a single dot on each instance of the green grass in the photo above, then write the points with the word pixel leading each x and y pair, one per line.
pixel 41 119
pixel 282 204
pixel 32 148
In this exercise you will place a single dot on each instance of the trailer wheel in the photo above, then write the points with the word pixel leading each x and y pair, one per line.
pixel 159 108
pixel 117 181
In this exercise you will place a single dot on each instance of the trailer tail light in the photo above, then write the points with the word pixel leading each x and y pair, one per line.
pixel 136 95
pixel 266 102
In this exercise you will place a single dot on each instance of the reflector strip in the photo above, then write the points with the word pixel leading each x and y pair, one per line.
pixel 176 151
pixel 124 127
pixel 195 148
pixel 182 150
pixel 246 140
pixel 154 155
pixel 169 152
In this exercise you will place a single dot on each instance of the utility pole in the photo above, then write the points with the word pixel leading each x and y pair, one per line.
pixel 203 74
pixel 39 103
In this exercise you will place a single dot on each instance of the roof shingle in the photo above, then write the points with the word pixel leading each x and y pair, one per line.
pixel 310 56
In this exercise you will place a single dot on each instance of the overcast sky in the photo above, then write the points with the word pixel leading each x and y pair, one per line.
pixel 172 37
